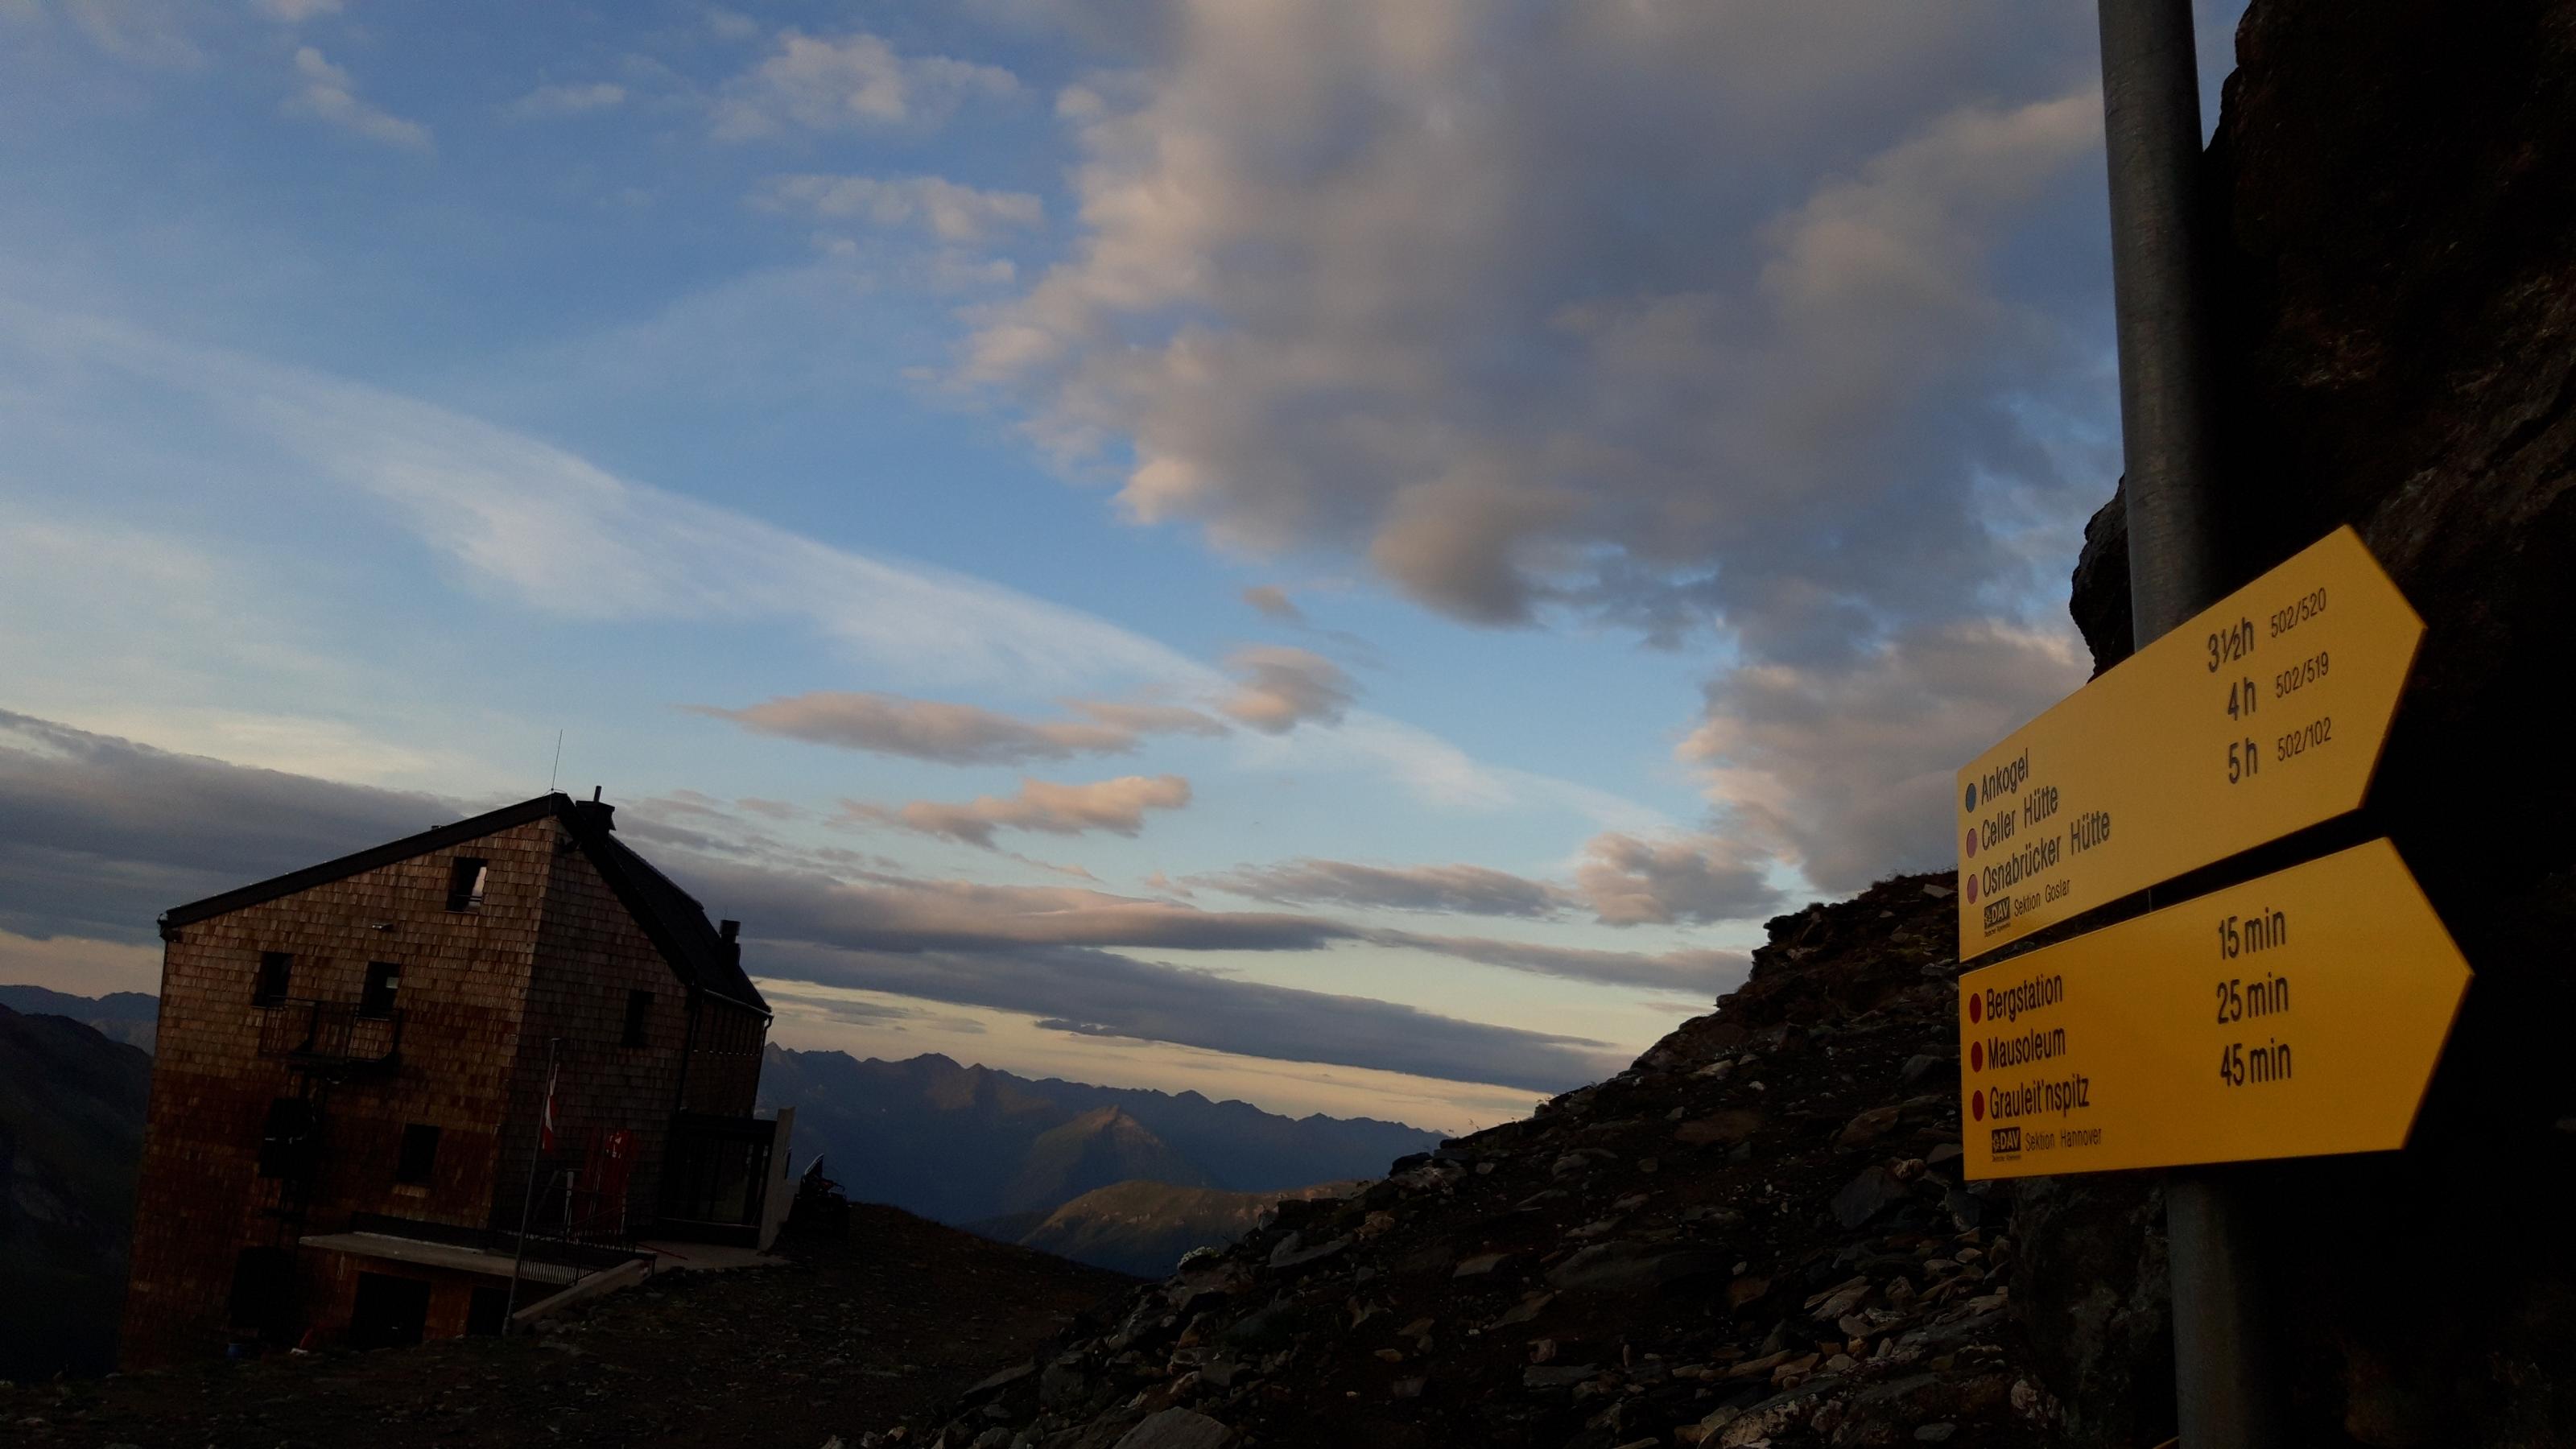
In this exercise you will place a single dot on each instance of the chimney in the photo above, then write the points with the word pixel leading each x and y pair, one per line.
pixel 596 811
pixel 731 931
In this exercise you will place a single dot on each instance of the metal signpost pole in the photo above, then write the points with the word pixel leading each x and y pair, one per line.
pixel 2151 114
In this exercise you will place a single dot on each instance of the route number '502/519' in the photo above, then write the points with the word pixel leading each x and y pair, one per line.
pixel 2166 742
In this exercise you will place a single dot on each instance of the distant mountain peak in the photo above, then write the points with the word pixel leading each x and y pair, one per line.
pixel 1102 1146
pixel 978 1145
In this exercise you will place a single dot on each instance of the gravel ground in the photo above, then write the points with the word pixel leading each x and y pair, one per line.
pixel 904 1315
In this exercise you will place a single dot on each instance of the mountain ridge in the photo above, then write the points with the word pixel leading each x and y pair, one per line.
pixel 132 1017
pixel 71 1144
pixel 996 1152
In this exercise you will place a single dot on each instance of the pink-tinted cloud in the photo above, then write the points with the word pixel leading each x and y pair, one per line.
pixel 1470 890
pixel 1284 687
pixel 1117 806
pixel 960 734
pixel 1629 880
pixel 1273 602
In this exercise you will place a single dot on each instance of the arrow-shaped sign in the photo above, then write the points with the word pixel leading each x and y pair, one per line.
pixel 2292 1016
pixel 2261 716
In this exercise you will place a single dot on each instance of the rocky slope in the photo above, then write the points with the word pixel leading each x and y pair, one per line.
pixel 71 1134
pixel 1145 1228
pixel 1756 1235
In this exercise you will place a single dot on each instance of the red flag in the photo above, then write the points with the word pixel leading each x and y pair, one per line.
pixel 619 1164
pixel 546 1118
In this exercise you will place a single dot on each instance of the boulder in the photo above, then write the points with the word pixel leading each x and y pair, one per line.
pixel 1178 1429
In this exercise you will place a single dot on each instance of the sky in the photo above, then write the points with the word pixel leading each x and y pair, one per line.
pixel 1343 556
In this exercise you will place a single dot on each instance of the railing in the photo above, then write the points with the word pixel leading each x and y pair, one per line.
pixel 584 1247
pixel 339 1034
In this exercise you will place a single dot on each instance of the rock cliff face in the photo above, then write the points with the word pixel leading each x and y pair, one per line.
pixel 2394 186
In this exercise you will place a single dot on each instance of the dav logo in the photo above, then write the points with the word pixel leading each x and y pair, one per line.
pixel 2007 1142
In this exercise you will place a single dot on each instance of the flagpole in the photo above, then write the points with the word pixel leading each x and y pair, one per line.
pixel 528 1195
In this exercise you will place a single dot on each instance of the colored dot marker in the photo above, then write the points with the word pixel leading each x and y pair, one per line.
pixel 1977 1106
pixel 1972 797
pixel 1976 1056
pixel 1976 1006
pixel 1971 846
pixel 1972 890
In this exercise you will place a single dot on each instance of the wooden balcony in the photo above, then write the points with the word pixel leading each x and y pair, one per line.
pixel 337 1037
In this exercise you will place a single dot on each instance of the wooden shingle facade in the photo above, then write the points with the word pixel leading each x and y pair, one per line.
pixel 354 1065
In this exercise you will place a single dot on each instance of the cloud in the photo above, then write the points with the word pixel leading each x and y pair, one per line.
pixel 1117 806
pixel 857 81
pixel 567 99
pixel 785 997
pixel 1695 880
pixel 295 12
pixel 100 835
pixel 1624 880
pixel 1680 314
pixel 948 210
pixel 328 94
pixel 1099 993
pixel 1285 687
pixel 547 530
pixel 731 24
pixel 563 536
pixel 1846 767
pixel 862 904
pixel 876 911
pixel 1470 890
pixel 1148 719
pixel 81 966
pixel 1278 689
pixel 1777 319
pixel 959 734
pixel 1700 971
pixel 1274 603
pixel 151 33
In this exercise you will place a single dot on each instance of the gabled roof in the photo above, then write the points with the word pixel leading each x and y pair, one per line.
pixel 672 918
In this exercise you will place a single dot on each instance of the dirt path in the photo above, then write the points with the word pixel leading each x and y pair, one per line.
pixel 853 1337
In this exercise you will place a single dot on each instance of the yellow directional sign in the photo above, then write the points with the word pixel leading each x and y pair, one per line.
pixel 2261 716
pixel 2292 1016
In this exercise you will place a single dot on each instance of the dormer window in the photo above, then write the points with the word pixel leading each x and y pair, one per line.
pixel 466 876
